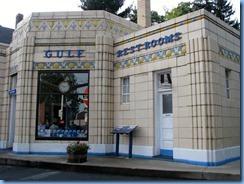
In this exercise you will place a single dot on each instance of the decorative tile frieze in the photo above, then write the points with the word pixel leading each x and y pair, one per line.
pixel 152 57
pixel 80 24
pixel 64 65
pixel 230 55
pixel 65 44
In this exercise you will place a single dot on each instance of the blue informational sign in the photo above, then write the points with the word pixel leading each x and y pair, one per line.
pixel 124 129
pixel 12 92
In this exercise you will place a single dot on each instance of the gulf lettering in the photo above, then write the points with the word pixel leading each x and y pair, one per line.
pixel 48 54
pixel 63 53
pixel 69 54
pixel 79 53
pixel 60 53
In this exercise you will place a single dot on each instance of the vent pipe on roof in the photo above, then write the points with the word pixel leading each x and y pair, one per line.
pixel 144 13
pixel 19 18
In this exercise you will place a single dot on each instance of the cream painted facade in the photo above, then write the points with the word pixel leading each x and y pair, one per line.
pixel 200 54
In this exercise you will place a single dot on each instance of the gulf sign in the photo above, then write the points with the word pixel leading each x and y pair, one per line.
pixel 63 53
pixel 149 44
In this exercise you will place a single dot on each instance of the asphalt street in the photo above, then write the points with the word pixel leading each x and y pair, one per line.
pixel 25 174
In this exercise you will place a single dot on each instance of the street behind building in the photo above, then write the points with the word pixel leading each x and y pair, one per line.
pixel 24 174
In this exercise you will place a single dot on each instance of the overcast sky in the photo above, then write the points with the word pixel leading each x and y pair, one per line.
pixel 10 8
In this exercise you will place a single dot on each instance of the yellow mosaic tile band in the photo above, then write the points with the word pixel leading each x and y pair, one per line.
pixel 64 65
pixel 152 57
pixel 232 56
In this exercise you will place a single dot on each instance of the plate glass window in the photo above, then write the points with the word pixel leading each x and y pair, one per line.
pixel 63 105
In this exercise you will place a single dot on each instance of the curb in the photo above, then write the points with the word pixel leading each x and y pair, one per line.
pixel 184 175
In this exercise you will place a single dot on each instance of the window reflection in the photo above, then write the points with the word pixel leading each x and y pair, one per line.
pixel 63 105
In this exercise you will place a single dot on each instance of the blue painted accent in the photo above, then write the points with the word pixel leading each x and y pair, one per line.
pixel 100 154
pixel 207 163
pixel 5 149
pixel 165 152
pixel 38 153
pixel 135 156
pixel 181 23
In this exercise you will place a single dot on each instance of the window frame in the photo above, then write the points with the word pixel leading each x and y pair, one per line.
pixel 227 83
pixel 125 90
pixel 67 94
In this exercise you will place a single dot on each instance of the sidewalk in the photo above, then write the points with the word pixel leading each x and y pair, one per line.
pixel 125 166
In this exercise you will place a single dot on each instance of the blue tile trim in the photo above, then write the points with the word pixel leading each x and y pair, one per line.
pixel 38 153
pixel 166 152
pixel 207 163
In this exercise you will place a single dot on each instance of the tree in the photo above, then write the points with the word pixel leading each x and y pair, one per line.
pixel 182 9
pixel 156 18
pixel 200 4
pixel 112 6
pixel 220 8
pixel 224 10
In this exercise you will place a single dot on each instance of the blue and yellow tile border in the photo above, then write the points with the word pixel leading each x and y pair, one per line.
pixel 64 65
pixel 152 57
pixel 232 56
pixel 80 24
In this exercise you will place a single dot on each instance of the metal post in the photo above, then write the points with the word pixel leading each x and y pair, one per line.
pixel 117 144
pixel 62 104
pixel 130 145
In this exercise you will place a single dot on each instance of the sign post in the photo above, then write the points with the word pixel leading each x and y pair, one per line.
pixel 124 129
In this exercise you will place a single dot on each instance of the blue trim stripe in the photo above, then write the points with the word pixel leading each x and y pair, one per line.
pixel 166 152
pixel 207 163
pixel 38 153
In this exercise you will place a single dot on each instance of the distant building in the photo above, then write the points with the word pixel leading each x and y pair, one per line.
pixel 5 40
pixel 6 35
pixel 179 81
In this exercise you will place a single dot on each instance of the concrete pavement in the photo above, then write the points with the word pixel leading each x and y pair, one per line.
pixel 125 166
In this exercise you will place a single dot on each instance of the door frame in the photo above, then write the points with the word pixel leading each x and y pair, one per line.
pixel 157 92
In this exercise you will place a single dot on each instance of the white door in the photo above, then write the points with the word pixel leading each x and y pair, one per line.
pixel 166 125
pixel 12 121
